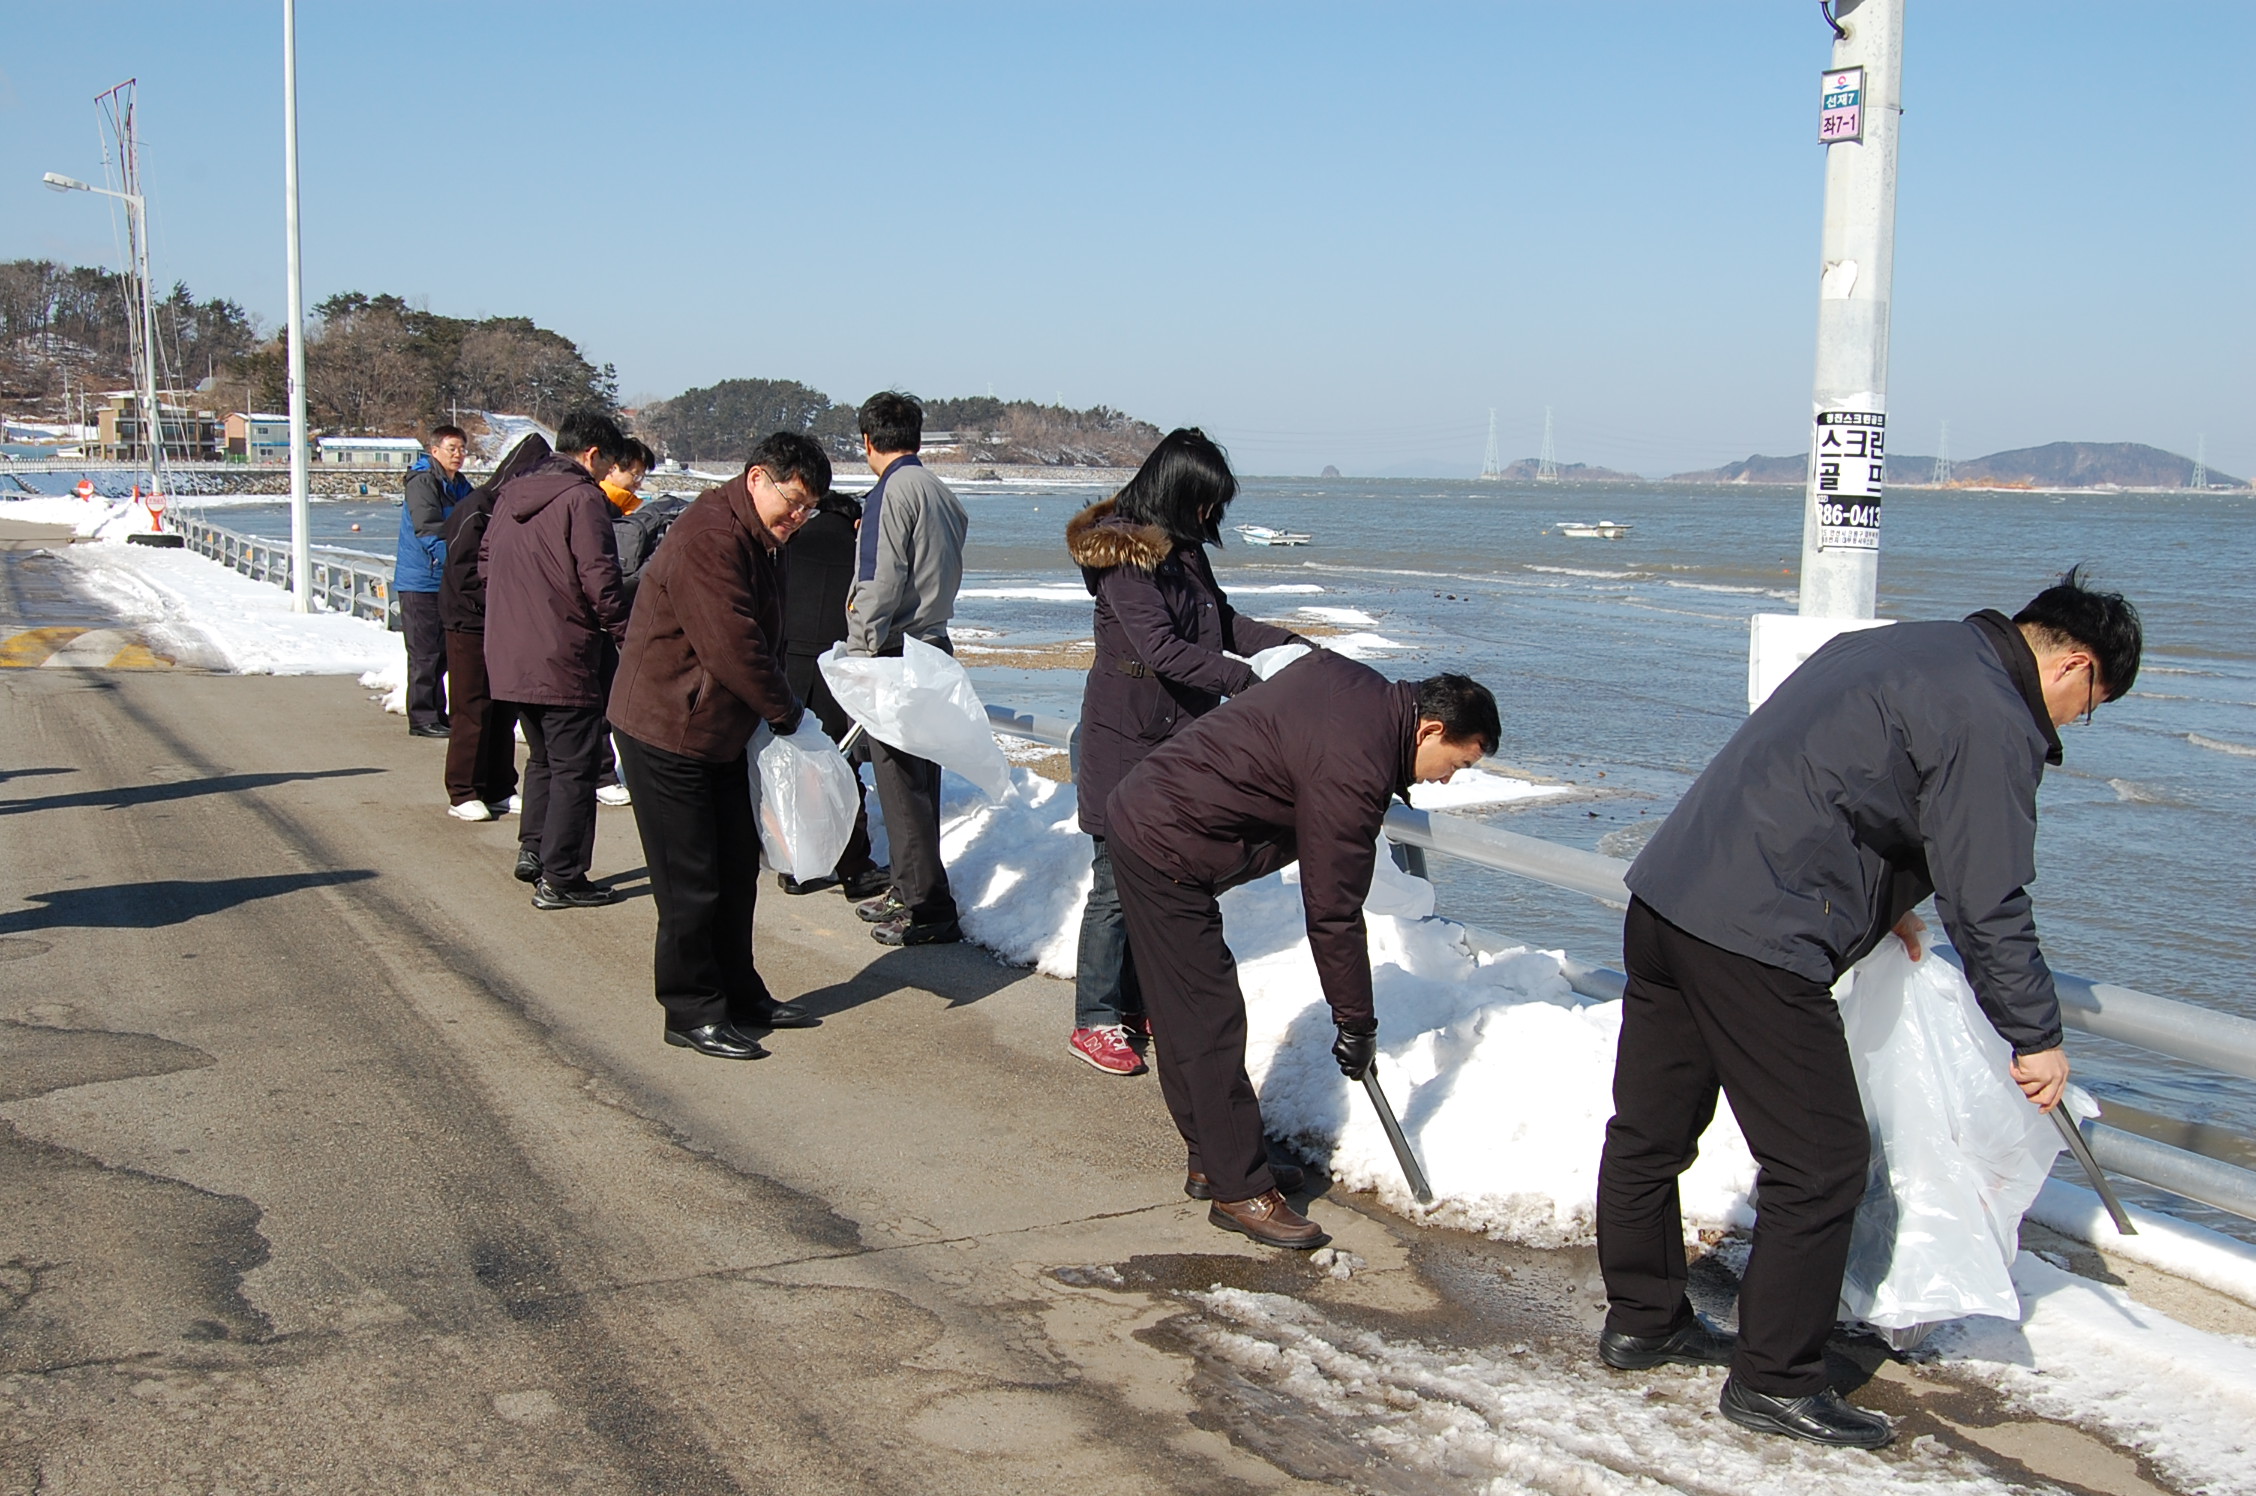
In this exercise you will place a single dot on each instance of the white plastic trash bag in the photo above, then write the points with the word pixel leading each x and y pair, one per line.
pixel 921 703
pixel 1275 658
pixel 806 799
pixel 1958 1153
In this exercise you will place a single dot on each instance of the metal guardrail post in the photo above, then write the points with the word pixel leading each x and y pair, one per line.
pixel 2196 1176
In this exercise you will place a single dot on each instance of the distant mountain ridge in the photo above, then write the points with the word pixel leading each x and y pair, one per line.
pixel 1528 469
pixel 2054 465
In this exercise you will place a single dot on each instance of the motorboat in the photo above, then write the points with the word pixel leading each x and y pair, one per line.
pixel 1263 535
pixel 1602 529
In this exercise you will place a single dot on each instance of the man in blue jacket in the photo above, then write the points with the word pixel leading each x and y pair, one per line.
pixel 434 486
pixel 1896 763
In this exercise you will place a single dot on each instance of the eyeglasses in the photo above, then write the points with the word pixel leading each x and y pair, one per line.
pixel 2091 691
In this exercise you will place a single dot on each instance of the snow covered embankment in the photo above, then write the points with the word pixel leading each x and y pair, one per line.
pixel 209 615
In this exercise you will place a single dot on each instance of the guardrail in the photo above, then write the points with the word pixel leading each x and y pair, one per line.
pixel 354 582
pixel 2184 1031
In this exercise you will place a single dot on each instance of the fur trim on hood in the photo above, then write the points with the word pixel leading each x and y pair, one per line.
pixel 1098 542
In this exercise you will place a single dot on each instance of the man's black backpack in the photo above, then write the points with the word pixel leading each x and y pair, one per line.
pixel 638 534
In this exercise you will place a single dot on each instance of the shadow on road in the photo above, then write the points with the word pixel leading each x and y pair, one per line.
pixel 126 796
pixel 154 905
pixel 8 774
pixel 963 974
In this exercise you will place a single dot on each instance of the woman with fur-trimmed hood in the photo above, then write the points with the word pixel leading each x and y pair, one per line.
pixel 1162 627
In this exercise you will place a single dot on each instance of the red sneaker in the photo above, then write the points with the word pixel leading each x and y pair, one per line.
pixel 1107 1049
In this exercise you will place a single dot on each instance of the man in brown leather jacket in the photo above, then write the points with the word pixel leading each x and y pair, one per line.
pixel 702 668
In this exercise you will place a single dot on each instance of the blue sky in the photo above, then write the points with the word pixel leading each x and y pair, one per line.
pixel 1328 233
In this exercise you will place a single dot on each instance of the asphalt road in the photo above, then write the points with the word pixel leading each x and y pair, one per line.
pixel 329 1164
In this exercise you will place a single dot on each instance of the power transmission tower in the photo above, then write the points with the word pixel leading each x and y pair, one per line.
pixel 2200 462
pixel 1492 470
pixel 1942 457
pixel 1547 466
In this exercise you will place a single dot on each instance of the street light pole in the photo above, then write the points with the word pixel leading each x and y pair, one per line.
pixel 301 550
pixel 137 219
pixel 1860 106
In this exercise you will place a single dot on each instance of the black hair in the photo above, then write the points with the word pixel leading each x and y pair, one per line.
pixel 893 421
pixel 1463 707
pixel 589 427
pixel 1183 487
pixel 441 433
pixel 2072 614
pixel 792 454
pixel 635 453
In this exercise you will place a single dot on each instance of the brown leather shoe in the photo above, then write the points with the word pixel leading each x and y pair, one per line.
pixel 1270 1221
pixel 1291 1179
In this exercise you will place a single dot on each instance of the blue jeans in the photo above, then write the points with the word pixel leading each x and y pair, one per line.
pixel 1104 974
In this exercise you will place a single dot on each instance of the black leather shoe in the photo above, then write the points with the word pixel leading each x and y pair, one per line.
pixel 882 908
pixel 906 931
pixel 867 885
pixel 1291 1179
pixel 720 1040
pixel 431 730
pixel 1694 1343
pixel 793 885
pixel 773 1015
pixel 581 895
pixel 1821 1417
pixel 528 866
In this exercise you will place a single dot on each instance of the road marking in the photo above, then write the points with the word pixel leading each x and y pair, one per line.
pixel 70 647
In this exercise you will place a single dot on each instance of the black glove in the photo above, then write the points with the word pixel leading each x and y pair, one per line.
pixel 790 724
pixel 1355 1051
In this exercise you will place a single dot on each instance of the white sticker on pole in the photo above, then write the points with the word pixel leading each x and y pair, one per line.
pixel 1848 462
pixel 1840 110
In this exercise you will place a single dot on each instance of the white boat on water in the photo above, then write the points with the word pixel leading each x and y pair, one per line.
pixel 1263 535
pixel 1603 529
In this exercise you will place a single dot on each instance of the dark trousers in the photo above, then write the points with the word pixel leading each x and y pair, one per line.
pixel 606 760
pixel 1105 989
pixel 1697 1018
pixel 426 658
pixel 702 847
pixel 481 755
pixel 909 790
pixel 1198 1018
pixel 558 821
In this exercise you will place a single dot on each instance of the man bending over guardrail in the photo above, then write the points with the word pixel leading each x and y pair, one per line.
pixel 1299 767
pixel 1895 763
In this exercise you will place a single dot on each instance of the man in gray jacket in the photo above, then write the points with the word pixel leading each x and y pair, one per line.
pixel 1897 762
pixel 907 569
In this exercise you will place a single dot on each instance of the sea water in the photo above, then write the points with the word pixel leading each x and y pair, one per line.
pixel 1621 667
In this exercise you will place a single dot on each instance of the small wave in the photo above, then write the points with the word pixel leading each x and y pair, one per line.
pixel 1720 587
pixel 2133 793
pixel 1576 571
pixel 2218 745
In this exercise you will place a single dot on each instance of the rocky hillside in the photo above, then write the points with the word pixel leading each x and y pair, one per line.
pixel 2054 465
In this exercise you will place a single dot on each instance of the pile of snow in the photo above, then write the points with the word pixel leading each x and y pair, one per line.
pixel 2224 1263
pixel 1501 1074
pixel 85 517
pixel 213 616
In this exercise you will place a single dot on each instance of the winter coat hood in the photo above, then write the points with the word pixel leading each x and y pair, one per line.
pixel 1098 539
pixel 526 496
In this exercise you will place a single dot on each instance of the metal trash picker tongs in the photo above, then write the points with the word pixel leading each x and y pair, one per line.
pixel 1402 1153
pixel 2073 1136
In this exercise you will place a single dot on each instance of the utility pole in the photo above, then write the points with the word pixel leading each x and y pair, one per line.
pixel 1492 467
pixel 301 548
pixel 1547 465
pixel 1859 99
pixel 2200 462
pixel 1942 457
pixel 1859 112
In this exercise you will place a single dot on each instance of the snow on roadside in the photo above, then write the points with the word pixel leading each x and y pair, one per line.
pixel 2224 1263
pixel 1502 1076
pixel 2090 1353
pixel 1511 1420
pixel 221 618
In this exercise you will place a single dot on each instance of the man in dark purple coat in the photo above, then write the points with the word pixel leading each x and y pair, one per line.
pixel 552 594
pixel 1298 767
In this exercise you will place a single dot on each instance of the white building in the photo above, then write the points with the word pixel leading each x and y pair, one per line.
pixel 370 451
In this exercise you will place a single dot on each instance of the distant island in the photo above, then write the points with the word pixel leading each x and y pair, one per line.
pixel 1530 469
pixel 2054 465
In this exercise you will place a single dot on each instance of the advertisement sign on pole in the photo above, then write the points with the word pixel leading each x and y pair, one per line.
pixel 1850 461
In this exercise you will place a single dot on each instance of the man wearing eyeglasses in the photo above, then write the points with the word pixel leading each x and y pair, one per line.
pixel 1895 763
pixel 703 667
pixel 434 486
